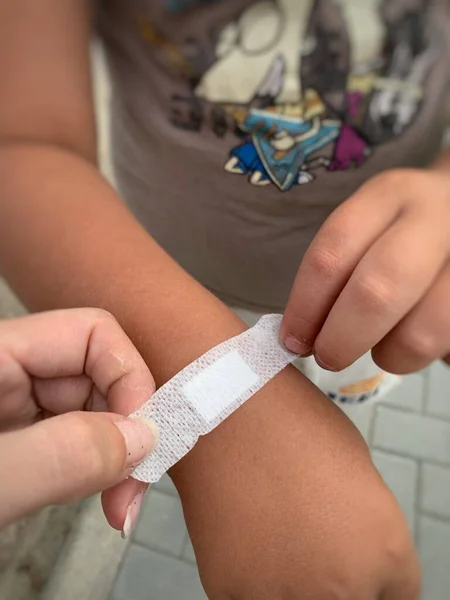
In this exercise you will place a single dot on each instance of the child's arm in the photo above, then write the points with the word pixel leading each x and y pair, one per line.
pixel 282 498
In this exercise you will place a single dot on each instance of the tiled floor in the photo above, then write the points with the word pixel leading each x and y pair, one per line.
pixel 409 435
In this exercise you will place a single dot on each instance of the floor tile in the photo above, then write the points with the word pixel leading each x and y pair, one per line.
pixel 161 526
pixel 409 394
pixel 434 545
pixel 188 551
pixel 147 575
pixel 412 435
pixel 401 476
pixel 435 491
pixel 438 403
pixel 166 486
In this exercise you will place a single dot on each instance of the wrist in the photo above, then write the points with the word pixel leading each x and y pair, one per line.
pixel 289 420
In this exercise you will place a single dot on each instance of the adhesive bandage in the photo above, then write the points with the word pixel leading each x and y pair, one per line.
pixel 208 390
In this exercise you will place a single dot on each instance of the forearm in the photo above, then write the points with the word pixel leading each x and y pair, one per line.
pixel 66 240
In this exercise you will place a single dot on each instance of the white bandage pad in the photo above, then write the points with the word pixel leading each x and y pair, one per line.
pixel 208 390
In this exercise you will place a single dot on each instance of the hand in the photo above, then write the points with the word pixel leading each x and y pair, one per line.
pixel 61 363
pixel 282 502
pixel 377 276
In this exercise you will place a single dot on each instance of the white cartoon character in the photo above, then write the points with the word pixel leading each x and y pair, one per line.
pixel 258 69
pixel 302 84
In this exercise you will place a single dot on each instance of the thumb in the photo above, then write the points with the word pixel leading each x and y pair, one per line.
pixel 67 458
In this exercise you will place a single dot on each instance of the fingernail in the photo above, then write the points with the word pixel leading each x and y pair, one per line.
pixel 141 437
pixel 324 366
pixel 133 510
pixel 296 347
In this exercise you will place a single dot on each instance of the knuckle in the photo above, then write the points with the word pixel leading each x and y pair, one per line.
pixel 397 550
pixel 325 261
pixel 376 294
pixel 339 583
pixel 392 180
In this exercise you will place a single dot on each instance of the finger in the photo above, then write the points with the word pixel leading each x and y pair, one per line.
pixel 117 369
pixel 387 283
pixel 423 336
pixel 65 394
pixel 67 458
pixel 122 504
pixel 16 404
pixel 70 343
pixel 23 400
pixel 330 260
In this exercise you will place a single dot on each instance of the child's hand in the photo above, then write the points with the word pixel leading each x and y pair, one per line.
pixel 62 363
pixel 282 511
pixel 377 275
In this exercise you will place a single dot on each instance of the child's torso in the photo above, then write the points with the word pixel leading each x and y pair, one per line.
pixel 239 125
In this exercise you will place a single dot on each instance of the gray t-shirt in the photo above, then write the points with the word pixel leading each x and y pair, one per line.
pixel 239 125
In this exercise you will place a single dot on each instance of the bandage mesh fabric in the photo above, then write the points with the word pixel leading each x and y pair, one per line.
pixel 208 390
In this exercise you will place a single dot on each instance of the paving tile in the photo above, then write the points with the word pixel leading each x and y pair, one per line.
pixel 409 395
pixel 435 490
pixel 166 486
pixel 434 544
pixel 9 304
pixel 161 526
pixel 188 550
pixel 147 575
pixel 411 434
pixel 362 416
pixel 438 403
pixel 400 475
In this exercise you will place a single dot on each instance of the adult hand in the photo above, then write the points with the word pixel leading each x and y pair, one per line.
pixel 67 380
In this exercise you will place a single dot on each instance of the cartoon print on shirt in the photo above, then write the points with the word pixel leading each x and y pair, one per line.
pixel 280 138
pixel 299 84
pixel 258 70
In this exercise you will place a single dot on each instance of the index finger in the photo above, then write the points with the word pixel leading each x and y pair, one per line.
pixel 68 343
pixel 330 260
